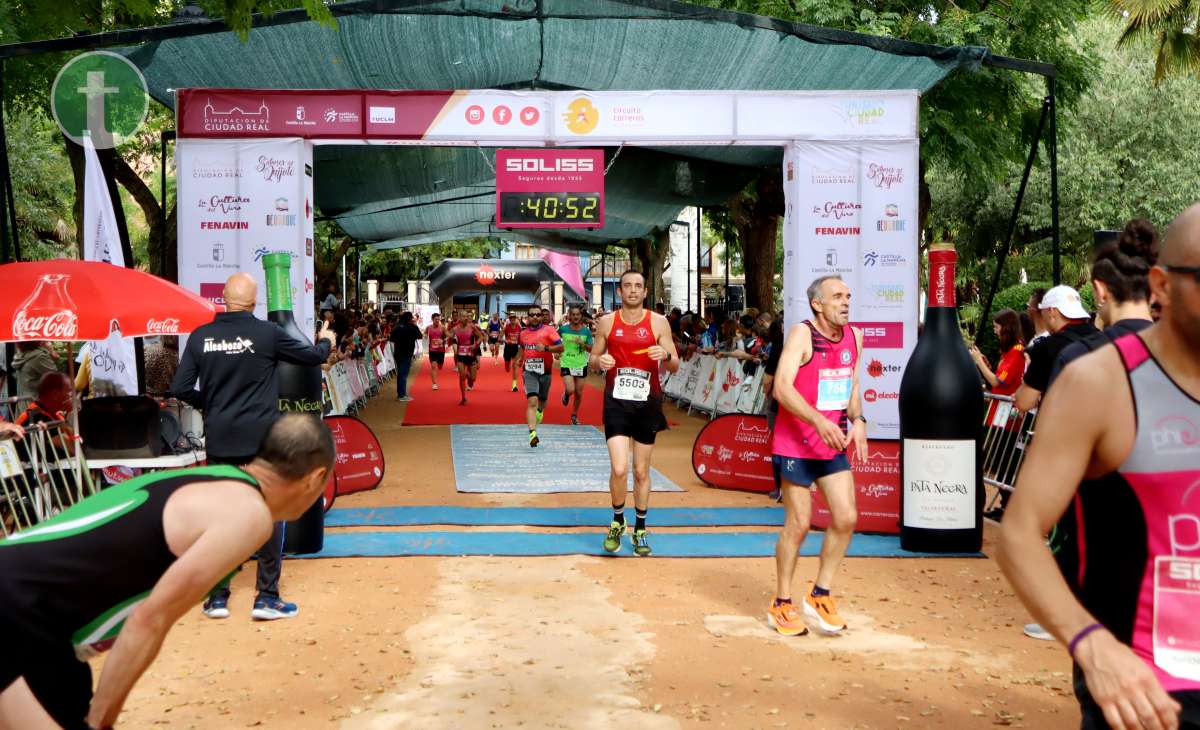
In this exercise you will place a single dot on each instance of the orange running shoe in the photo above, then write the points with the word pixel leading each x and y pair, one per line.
pixel 785 619
pixel 823 610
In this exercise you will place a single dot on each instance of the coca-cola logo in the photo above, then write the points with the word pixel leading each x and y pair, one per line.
pixel 274 169
pixel 837 210
pixel 885 176
pixel 57 326
pixel 168 326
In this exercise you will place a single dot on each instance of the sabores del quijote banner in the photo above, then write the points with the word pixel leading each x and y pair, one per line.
pixel 239 201
pixel 852 211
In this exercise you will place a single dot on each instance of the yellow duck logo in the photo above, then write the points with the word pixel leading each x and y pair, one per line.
pixel 581 117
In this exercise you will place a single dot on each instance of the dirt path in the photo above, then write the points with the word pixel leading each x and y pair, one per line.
pixel 576 642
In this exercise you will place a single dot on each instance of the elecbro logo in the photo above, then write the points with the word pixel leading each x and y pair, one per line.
pixel 871 395
pixel 882 335
pixel 537 164
pixel 837 210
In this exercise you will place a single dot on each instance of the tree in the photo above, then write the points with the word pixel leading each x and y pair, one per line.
pixel 749 224
pixel 29 79
pixel 415 262
pixel 1121 156
pixel 1172 24
pixel 974 123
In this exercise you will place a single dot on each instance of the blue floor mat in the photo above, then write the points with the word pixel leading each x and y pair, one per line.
pixel 546 516
pixel 665 545
pixel 568 459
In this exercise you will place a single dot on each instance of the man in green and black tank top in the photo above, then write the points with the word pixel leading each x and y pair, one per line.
pixel 121 567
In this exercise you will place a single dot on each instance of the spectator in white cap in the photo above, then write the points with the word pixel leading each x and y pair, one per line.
pixel 1068 323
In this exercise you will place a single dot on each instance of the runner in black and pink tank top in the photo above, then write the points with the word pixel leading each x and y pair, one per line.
pixel 1134 540
pixel 1117 447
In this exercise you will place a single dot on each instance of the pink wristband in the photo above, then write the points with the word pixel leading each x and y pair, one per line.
pixel 1080 637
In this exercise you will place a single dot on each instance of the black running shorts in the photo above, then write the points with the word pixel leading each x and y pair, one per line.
pixel 641 423
pixel 510 350
pixel 437 357
pixel 59 681
pixel 467 360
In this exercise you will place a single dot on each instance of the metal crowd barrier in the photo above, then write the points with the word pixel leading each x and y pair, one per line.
pixel 1007 433
pixel 41 475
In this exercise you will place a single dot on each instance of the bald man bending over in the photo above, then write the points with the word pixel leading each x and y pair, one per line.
pixel 228 371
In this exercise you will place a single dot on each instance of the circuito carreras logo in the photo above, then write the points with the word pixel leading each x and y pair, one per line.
pixel 581 116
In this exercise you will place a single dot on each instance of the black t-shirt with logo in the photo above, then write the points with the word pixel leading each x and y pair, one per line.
pixel 233 360
pixel 1095 341
pixel 1043 354
pixel 404 339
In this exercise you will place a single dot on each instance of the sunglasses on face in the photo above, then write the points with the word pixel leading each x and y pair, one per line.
pixel 1193 270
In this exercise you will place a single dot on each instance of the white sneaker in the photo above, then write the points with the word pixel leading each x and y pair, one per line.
pixel 405 399
pixel 435 386
pixel 1035 631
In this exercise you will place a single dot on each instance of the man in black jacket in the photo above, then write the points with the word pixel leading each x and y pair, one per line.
pixel 228 371
pixel 405 336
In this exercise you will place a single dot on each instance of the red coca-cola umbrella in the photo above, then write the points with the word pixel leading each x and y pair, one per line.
pixel 67 300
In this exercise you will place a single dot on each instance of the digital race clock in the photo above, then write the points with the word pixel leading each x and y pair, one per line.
pixel 579 208
pixel 550 188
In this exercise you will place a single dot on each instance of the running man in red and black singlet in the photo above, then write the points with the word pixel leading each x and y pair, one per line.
pixel 1118 441
pixel 538 343
pixel 437 335
pixel 118 569
pixel 820 418
pixel 632 344
pixel 512 335
pixel 464 338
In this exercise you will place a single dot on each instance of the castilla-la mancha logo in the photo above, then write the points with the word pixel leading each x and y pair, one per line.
pixel 48 313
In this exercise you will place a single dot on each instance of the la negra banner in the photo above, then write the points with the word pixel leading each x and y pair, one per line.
pixel 850 172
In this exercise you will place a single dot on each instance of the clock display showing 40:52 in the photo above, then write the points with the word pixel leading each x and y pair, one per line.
pixel 549 208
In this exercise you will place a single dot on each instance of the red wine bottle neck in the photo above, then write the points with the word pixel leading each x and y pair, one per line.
pixel 941 280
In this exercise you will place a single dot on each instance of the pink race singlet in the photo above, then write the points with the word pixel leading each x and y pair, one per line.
pixel 825 381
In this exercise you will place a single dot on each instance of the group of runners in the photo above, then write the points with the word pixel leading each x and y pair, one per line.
pixel 1117 442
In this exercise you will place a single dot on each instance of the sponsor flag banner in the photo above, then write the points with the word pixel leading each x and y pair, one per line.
pixel 238 202
pixel 113 360
pixel 359 464
pixel 851 212
pixel 733 452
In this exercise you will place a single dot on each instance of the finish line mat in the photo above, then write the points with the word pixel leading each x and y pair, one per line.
pixel 546 516
pixel 665 545
pixel 568 459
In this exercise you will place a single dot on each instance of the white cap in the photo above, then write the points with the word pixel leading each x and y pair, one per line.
pixel 1066 300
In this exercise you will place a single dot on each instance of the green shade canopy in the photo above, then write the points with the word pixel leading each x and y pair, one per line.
pixel 397 196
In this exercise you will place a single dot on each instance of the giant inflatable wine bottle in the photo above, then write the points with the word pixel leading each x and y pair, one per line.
pixel 299 392
pixel 941 411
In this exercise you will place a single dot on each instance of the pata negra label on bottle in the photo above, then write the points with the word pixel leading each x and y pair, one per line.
pixel 939 484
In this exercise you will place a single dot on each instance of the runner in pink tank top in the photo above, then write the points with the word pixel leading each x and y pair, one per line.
pixel 816 387
pixel 1117 449
pixel 437 347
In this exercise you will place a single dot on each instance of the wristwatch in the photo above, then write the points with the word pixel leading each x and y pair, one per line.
pixel 861 417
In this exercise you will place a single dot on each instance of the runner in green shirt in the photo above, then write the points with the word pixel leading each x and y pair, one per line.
pixel 577 344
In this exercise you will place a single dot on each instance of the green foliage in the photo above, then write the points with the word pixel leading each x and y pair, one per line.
pixel 42 186
pixel 1170 25
pixel 1121 155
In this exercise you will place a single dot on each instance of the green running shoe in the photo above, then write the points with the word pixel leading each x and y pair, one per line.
pixel 533 439
pixel 641 545
pixel 540 413
pixel 612 541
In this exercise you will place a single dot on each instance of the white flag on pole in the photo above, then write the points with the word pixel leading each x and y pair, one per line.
pixel 114 363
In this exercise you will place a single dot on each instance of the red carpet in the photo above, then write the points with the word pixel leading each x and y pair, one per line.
pixel 492 400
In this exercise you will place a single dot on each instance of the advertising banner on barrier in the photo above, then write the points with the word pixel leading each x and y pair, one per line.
pixel 733 452
pixel 851 212
pixel 239 201
pixel 359 465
